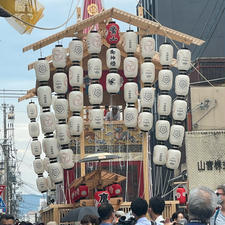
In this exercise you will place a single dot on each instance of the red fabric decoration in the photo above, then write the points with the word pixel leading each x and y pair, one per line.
pixel 80 193
pixel 101 197
pixel 114 190
pixel 112 36
pixel 91 8
pixel 83 191
pixel 181 195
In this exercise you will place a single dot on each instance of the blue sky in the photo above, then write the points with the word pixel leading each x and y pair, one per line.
pixel 14 73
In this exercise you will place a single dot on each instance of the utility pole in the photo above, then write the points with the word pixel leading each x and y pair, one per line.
pixel 6 157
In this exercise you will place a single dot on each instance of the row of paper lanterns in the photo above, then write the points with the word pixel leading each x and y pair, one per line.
pixel 175 133
pixel 95 90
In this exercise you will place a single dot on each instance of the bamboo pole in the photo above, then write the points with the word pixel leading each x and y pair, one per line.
pixel 145 165
pixel 82 146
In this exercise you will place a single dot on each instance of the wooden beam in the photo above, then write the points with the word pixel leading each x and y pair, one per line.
pixel 145 24
pixel 27 96
pixel 70 30
pixel 155 28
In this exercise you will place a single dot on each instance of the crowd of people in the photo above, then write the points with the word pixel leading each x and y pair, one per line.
pixel 205 207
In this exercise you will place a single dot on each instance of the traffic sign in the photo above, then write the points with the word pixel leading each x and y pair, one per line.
pixel 2 188
pixel 2 204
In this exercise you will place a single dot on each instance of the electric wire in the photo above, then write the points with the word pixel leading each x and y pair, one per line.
pixel 28 144
pixel 213 30
pixel 168 36
pixel 207 22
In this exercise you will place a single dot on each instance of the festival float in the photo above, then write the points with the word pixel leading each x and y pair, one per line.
pixel 90 160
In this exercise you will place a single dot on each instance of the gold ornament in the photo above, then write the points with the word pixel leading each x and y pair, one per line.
pixel 92 9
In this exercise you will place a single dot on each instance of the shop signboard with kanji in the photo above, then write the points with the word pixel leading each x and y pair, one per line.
pixel 205 155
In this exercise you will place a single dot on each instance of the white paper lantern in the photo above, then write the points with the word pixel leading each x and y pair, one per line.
pixel 130 92
pixel 182 83
pixel 94 42
pixel 173 159
pixel 47 122
pixel 166 54
pixel 183 59
pixel 44 94
pixel 164 105
pixel 59 56
pixel 34 129
pixel 38 166
pixel 76 76
pixel 42 185
pixel 51 147
pixel 66 159
pixel 147 96
pixel 95 68
pixel 130 41
pixel 36 148
pixel 147 47
pixel 179 110
pixel 76 125
pixel 160 155
pixel 130 117
pixel 165 80
pixel 46 163
pixel 56 172
pixel 130 67
pixel 113 58
pixel 176 135
pixel 113 83
pixel 63 134
pixel 61 108
pixel 76 50
pixel 42 70
pixel 162 128
pixel 76 101
pixel 60 83
pixel 32 111
pixel 145 121
pixel 51 185
pixel 95 94
pixel 96 117
pixel 147 72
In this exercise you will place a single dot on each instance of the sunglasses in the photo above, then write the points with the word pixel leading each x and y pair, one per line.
pixel 218 194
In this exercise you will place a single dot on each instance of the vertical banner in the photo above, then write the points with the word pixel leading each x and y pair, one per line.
pixel 91 8
pixel 205 158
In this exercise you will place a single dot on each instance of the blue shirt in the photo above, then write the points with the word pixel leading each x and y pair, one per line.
pixel 143 221
pixel 195 223
pixel 105 224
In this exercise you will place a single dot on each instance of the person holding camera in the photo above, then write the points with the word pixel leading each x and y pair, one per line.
pixel 139 209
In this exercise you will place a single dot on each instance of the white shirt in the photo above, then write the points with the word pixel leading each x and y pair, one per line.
pixel 159 220
pixel 220 219
pixel 110 116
